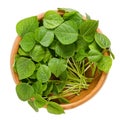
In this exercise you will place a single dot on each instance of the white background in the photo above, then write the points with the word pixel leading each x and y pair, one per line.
pixel 105 104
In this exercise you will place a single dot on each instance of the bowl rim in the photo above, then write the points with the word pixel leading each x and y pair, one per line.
pixel 65 106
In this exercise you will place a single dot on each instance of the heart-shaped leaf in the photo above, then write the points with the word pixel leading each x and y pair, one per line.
pixel 67 32
pixel 27 42
pixel 102 40
pixel 52 19
pixel 25 67
pixel 27 25
pixel 43 73
pixel 44 36
pixel 24 91
pixel 57 66
pixel 105 64
pixel 37 53
pixel 54 108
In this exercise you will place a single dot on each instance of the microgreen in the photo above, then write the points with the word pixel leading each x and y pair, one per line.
pixel 54 55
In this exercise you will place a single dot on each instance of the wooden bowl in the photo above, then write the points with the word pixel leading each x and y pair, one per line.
pixel 75 101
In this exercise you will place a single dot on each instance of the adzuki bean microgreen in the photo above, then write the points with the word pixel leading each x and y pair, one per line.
pixel 54 56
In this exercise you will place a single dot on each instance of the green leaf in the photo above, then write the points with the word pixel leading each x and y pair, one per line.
pixel 52 19
pixel 39 101
pixel 47 56
pixel 37 54
pixel 44 36
pixel 94 46
pixel 43 73
pixel 27 25
pixel 94 55
pixel 32 104
pixel 67 33
pixel 57 66
pixel 21 52
pixel 49 89
pixel 25 67
pixel 68 15
pixel 24 91
pixel 102 40
pixel 80 55
pixel 88 29
pixel 54 108
pixel 77 18
pixel 27 42
pixel 81 44
pixel 38 87
pixel 65 51
pixel 64 100
pixel 105 64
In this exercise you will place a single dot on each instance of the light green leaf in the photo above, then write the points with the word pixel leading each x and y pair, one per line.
pixel 94 55
pixel 64 100
pixel 54 108
pixel 37 54
pixel 38 87
pixel 57 66
pixel 47 56
pixel 105 64
pixel 25 67
pixel 65 51
pixel 27 25
pixel 77 18
pixel 21 52
pixel 102 40
pixel 94 46
pixel 67 33
pixel 24 91
pixel 32 104
pixel 80 55
pixel 88 29
pixel 43 73
pixel 49 89
pixel 81 44
pixel 52 19
pixel 68 15
pixel 27 42
pixel 39 101
pixel 44 36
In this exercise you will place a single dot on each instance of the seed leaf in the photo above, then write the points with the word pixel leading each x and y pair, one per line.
pixel 105 64
pixel 27 25
pixel 43 73
pixel 27 42
pixel 25 67
pixel 44 36
pixel 94 55
pixel 102 40
pixel 54 108
pixel 65 51
pixel 67 32
pixel 24 91
pixel 49 89
pixel 88 29
pixel 38 87
pixel 37 53
pixel 32 104
pixel 80 55
pixel 57 66
pixel 52 19
pixel 39 101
